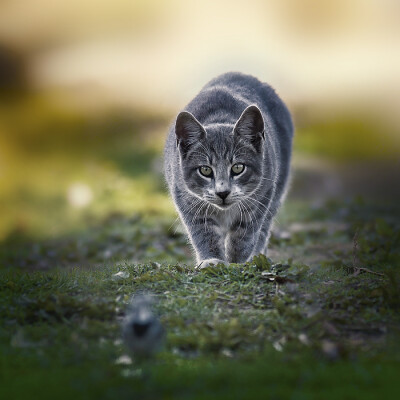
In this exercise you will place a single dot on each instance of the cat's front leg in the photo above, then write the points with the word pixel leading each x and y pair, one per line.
pixel 207 241
pixel 241 242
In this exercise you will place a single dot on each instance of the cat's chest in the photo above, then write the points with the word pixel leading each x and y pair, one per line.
pixel 227 218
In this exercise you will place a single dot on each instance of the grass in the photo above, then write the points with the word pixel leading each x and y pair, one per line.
pixel 282 329
pixel 318 319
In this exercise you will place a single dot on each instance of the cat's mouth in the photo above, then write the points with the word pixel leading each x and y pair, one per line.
pixel 221 204
pixel 224 205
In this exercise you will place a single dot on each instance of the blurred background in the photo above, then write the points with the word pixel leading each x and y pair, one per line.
pixel 88 90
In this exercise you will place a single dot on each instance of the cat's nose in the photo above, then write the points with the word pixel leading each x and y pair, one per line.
pixel 223 194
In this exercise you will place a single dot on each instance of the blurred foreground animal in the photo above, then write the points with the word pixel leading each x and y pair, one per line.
pixel 227 161
pixel 142 331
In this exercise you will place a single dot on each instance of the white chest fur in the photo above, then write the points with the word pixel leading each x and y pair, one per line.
pixel 226 218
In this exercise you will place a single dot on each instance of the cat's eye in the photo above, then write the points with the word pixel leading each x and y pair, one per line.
pixel 206 171
pixel 237 169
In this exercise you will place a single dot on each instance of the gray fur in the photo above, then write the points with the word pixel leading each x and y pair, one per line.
pixel 142 331
pixel 234 119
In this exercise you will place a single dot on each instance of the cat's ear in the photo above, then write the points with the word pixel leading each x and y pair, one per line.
pixel 188 130
pixel 250 126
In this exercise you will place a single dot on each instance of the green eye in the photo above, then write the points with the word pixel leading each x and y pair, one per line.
pixel 237 169
pixel 205 171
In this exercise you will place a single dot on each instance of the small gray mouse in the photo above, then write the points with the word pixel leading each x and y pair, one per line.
pixel 142 331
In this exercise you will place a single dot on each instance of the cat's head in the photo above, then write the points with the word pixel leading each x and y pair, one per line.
pixel 221 163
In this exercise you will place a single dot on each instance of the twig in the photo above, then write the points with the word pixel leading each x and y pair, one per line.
pixel 364 270
pixel 357 269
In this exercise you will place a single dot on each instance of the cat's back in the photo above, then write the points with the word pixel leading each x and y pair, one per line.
pixel 238 84
pixel 225 97
pixel 242 87
pixel 220 100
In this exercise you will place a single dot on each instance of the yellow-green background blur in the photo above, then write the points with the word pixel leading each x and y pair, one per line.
pixel 89 88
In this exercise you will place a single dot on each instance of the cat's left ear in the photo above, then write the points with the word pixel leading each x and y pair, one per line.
pixel 250 126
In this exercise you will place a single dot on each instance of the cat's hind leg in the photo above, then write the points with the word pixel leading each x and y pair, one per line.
pixel 263 238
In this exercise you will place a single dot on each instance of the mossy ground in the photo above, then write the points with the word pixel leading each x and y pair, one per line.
pixel 319 319
pixel 296 327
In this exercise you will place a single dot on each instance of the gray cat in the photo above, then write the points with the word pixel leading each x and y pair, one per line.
pixel 226 163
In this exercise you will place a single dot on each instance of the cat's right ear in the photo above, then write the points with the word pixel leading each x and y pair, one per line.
pixel 188 131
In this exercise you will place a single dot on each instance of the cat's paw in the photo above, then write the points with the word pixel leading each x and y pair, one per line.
pixel 211 261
